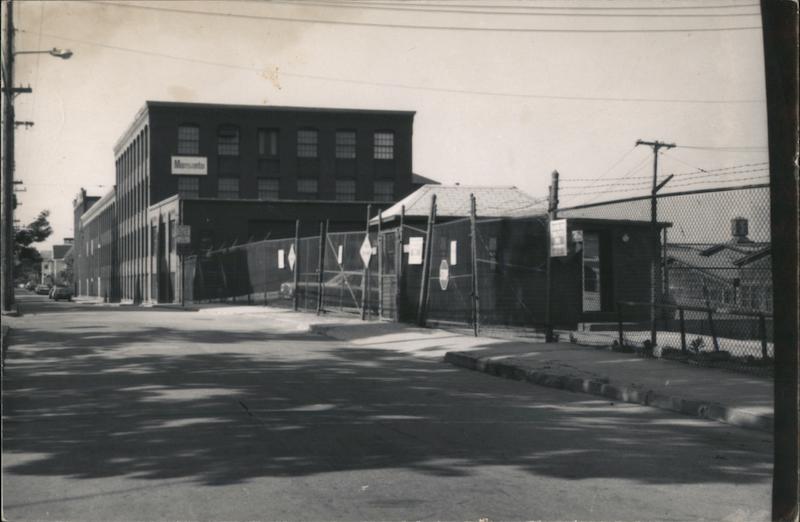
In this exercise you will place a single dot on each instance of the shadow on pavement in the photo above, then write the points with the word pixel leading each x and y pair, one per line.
pixel 99 403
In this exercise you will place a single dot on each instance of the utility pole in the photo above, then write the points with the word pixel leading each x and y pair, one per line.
pixel 552 209
pixel 779 22
pixel 7 227
pixel 655 262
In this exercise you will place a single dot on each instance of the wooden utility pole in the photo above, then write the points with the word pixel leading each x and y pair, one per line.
pixel 474 248
pixel 779 22
pixel 7 226
pixel 552 209
pixel 655 262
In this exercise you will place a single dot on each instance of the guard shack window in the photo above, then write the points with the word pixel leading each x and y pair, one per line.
pixel 591 272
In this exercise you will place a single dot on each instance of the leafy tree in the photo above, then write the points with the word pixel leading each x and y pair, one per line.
pixel 28 259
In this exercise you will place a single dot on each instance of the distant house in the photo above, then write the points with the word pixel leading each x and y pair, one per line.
pixel 54 262
pixel 735 274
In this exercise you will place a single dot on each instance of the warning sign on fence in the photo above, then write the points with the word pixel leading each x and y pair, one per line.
pixel 415 250
pixel 444 274
pixel 365 251
pixel 292 257
pixel 558 238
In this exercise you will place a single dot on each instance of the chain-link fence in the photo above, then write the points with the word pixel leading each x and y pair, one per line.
pixel 697 286
pixel 711 279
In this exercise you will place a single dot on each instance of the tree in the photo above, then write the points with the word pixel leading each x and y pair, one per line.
pixel 28 260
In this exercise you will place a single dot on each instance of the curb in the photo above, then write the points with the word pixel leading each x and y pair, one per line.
pixel 4 333
pixel 602 388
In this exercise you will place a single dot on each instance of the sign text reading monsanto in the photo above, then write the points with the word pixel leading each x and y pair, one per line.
pixel 189 165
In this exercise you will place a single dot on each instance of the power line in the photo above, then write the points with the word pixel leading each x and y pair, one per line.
pixel 571 11
pixel 413 26
pixel 727 149
pixel 445 3
pixel 402 86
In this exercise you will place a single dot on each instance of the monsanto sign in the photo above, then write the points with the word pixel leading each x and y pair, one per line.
pixel 444 274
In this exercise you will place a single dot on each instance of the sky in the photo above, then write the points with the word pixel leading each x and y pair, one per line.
pixel 504 91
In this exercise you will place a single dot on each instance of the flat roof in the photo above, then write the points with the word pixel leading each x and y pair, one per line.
pixel 281 108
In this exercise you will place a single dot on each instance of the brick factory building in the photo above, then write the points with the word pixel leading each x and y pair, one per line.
pixel 232 173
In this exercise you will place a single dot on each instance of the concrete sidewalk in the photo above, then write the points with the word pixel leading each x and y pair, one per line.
pixel 728 397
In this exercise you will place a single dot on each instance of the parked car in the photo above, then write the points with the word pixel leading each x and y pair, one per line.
pixel 30 286
pixel 42 289
pixel 62 292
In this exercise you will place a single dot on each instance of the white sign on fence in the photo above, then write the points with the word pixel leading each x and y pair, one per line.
pixel 292 257
pixel 365 251
pixel 453 252
pixel 558 238
pixel 339 255
pixel 280 258
pixel 444 274
pixel 415 245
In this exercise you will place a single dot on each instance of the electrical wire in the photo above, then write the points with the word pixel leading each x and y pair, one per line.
pixel 445 3
pixel 498 10
pixel 415 26
pixel 399 85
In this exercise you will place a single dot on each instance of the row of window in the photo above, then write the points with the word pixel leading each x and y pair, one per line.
pixel 269 188
pixel 307 142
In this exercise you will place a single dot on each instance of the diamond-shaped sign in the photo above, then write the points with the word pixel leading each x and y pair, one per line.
pixel 366 250
pixel 292 257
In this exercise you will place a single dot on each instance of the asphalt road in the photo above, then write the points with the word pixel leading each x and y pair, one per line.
pixel 143 414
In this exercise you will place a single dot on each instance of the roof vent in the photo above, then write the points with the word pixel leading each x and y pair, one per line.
pixel 739 230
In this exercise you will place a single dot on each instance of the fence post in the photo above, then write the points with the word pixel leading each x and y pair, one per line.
pixel 426 253
pixel 400 291
pixel 683 330
pixel 762 333
pixel 620 331
pixel 552 207
pixel 225 290
pixel 365 276
pixel 321 279
pixel 474 247
pixel 380 265
pixel 710 319
pixel 266 271
pixel 296 274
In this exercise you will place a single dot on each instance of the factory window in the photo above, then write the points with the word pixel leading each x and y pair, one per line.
pixel 384 145
pixel 384 191
pixel 188 139
pixel 228 141
pixel 189 187
pixel 268 188
pixel 307 143
pixel 267 142
pixel 307 188
pixel 345 144
pixel 345 190
pixel 228 188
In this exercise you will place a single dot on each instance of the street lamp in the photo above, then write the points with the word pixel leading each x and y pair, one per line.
pixel 9 91
pixel 64 54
